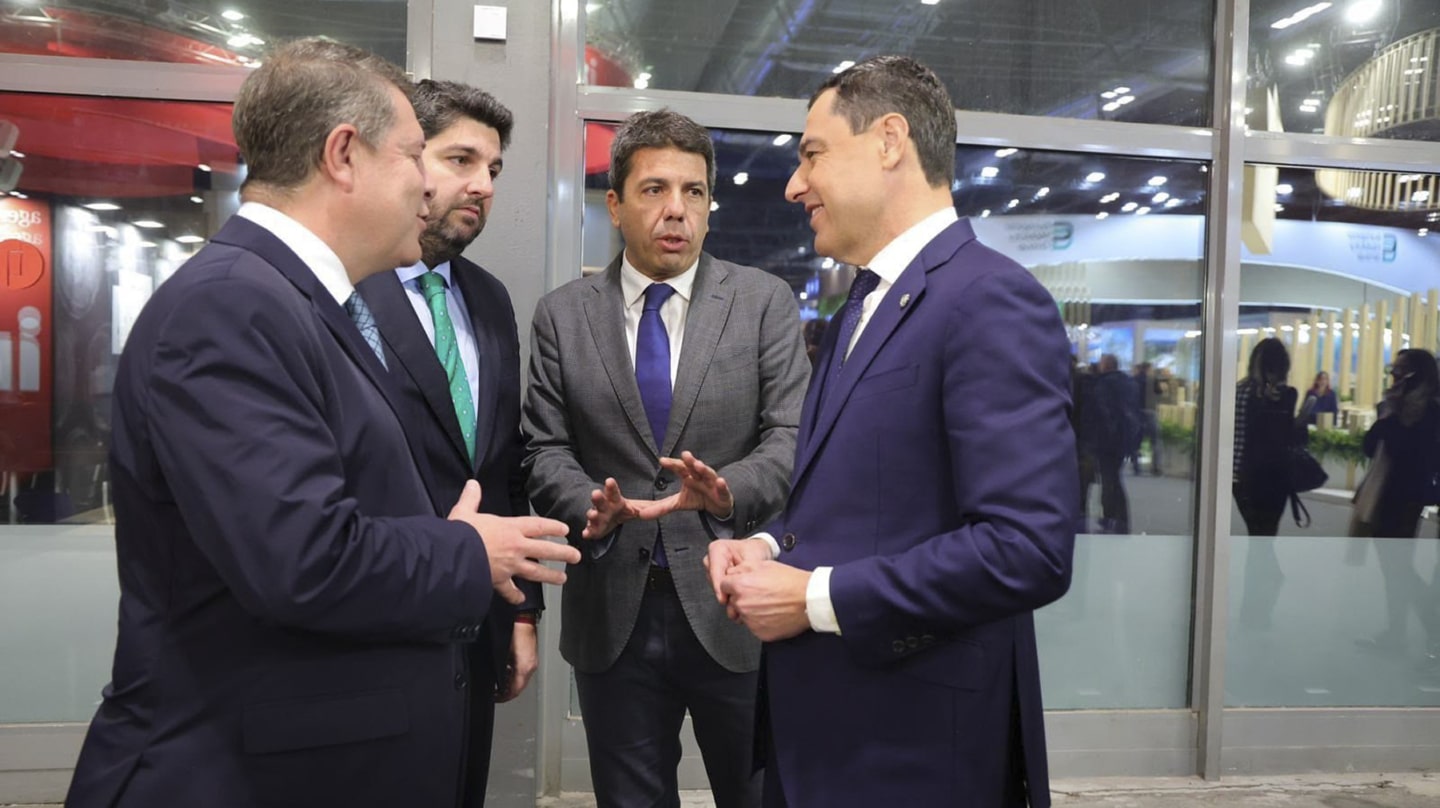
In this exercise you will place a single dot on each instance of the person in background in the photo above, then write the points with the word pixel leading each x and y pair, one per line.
pixel 1320 398
pixel 1264 429
pixel 1113 430
pixel 454 355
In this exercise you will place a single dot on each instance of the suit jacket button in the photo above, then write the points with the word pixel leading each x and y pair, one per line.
pixel 661 483
pixel 927 640
pixel 787 542
pixel 913 642
pixel 644 554
pixel 898 646
pixel 459 681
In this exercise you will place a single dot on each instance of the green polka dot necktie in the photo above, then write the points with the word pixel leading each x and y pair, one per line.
pixel 432 285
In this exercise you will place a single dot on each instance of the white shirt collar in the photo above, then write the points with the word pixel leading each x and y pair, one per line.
pixel 633 282
pixel 410 273
pixel 316 254
pixel 892 260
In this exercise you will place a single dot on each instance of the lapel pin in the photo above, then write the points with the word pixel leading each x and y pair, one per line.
pixel 904 300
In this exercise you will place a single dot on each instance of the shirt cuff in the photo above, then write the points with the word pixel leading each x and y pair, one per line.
pixel 770 540
pixel 817 602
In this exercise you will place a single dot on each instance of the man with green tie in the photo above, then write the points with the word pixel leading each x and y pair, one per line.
pixel 454 355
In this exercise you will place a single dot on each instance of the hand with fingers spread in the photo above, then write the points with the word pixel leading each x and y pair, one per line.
pixel 701 489
pixel 609 510
pixel 515 544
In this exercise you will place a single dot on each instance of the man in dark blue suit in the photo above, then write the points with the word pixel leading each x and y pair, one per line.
pixel 292 610
pixel 933 499
pixel 446 304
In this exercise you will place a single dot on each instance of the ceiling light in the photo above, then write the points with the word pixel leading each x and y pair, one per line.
pixel 232 15
pixel 1308 109
pixel 1354 192
pixel 1110 197
pixel 1129 206
pixel 17 155
pixel 1434 217
pixel 985 214
pixel 102 206
pixel 1013 203
pixel 1112 106
pixel 1423 232
pixel 197 199
pixel 1042 193
pixel 1005 152
pixel 1420 196
pixel 1362 11
pixel 990 172
pixel 1408 177
pixel 1173 202
pixel 781 140
pixel 929 2
pixel 1284 189
pixel 148 224
pixel 189 239
pixel 642 81
pixel 1160 197
pixel 144 244
pixel 1142 211
pixel 742 177
pixel 1121 90
pixel 1102 215
pixel 1108 94
pixel 1124 99
pixel 843 66
pixel 1095 176
pixel 18 195
pixel 204 167
pixel 1158 180
pixel 1279 207
pixel 1299 16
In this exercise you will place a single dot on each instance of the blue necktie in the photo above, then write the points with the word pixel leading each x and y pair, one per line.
pixel 359 311
pixel 652 374
pixel 864 283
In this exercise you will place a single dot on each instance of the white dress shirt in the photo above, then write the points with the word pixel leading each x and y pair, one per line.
pixel 633 284
pixel 459 317
pixel 889 263
pixel 316 254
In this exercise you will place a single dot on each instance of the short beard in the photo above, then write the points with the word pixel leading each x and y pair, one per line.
pixel 438 243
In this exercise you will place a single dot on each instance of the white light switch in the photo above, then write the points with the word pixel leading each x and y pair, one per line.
pixel 490 22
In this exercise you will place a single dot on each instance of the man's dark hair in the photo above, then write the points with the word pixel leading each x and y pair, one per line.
pixel 438 104
pixel 658 129
pixel 304 89
pixel 881 85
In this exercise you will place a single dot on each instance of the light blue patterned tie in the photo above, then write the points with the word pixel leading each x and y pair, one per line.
pixel 447 348
pixel 359 311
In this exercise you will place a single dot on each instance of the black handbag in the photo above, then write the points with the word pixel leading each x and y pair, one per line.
pixel 1305 471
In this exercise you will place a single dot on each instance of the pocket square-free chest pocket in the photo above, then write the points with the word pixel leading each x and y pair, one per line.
pixel 886 380
pixel 285 726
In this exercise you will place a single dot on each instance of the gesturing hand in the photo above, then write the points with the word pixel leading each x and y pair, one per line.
pixel 514 544
pixel 609 510
pixel 701 489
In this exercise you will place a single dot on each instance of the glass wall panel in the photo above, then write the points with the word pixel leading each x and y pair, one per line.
pixel 1120 244
pixel 1111 59
pixel 101 199
pixel 1359 68
pixel 222 32
pixel 1335 595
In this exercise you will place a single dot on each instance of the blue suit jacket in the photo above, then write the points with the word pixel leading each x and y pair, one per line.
pixel 287 616
pixel 937 475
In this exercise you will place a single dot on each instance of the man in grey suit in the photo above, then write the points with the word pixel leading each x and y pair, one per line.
pixel 664 399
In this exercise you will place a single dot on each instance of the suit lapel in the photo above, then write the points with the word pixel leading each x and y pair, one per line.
pixel 405 336
pixel 710 302
pixel 243 233
pixel 605 314
pixel 909 287
pixel 485 324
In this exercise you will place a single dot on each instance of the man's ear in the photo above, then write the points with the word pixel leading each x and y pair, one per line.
pixel 894 133
pixel 612 201
pixel 337 158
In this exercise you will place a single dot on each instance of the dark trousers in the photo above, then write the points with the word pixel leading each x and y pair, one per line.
pixel 482 723
pixel 1262 510
pixel 633 713
pixel 1114 505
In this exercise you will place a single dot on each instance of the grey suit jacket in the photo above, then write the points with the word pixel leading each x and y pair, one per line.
pixel 737 398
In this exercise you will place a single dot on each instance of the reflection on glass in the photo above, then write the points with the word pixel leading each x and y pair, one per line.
pixel 1340 305
pixel 1355 69
pixel 1119 242
pixel 103 199
pixel 1110 61
pixel 194 31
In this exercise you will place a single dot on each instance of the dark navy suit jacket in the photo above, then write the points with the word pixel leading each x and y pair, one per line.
pixel 434 428
pixel 937 475
pixel 287 615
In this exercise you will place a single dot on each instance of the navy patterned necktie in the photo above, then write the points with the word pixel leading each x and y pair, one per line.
pixel 864 283
pixel 359 311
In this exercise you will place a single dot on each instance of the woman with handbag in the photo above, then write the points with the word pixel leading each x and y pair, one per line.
pixel 1405 434
pixel 1264 431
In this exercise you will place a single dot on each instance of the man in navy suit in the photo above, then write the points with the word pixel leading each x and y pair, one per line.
pixel 291 607
pixel 933 499
pixel 466 132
